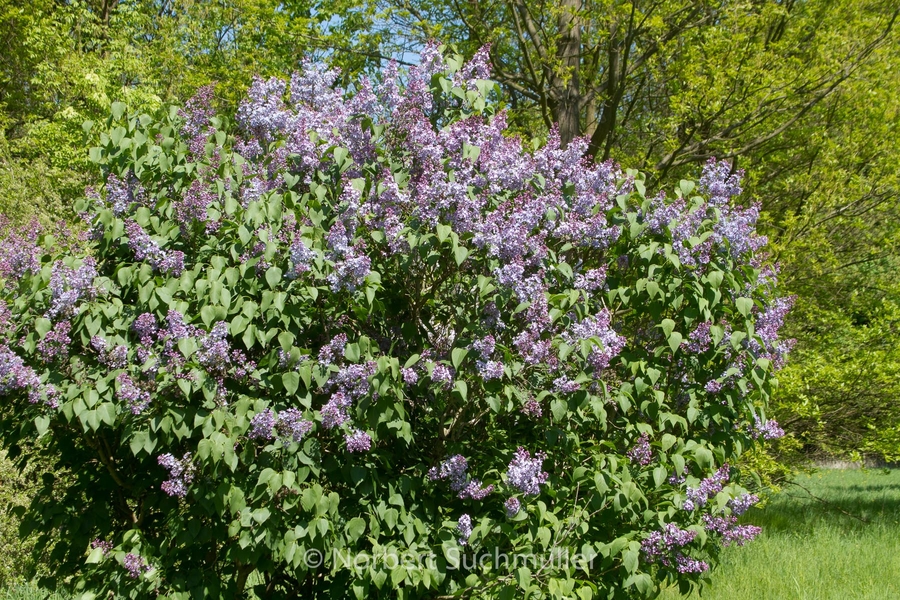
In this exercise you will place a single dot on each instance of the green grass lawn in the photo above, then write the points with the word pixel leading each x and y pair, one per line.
pixel 810 550
pixel 847 548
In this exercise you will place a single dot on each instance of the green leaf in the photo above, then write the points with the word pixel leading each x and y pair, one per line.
pixel 744 306
pixel 41 423
pixel 704 458
pixel 674 341
pixel 117 109
pixel 273 276
pixel 352 352
pixel 668 326
pixel 559 408
pixel 355 528
pixel 630 560
pixel 457 356
pixel 291 382
pixel 460 253
pixel 42 326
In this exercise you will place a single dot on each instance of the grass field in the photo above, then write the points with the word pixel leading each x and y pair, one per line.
pixel 845 548
pixel 813 550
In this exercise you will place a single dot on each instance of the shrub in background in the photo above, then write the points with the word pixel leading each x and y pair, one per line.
pixel 372 327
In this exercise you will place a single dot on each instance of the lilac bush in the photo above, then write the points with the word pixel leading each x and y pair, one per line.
pixel 373 324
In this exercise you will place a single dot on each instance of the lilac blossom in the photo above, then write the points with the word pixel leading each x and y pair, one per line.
pixel 564 385
pixel 291 425
pixel 410 375
pixel 591 280
pixel 524 472
pixel 181 474
pixel 513 506
pixel 103 545
pixel 358 441
pixel 146 328
pixel 491 369
pixel 596 328
pixel 55 345
pixel 262 425
pixel 767 430
pixel 742 503
pixel 349 273
pixel 731 532
pixel 301 258
pixel 333 350
pixel 129 392
pixel 464 527
pixel 334 412
pixel 68 286
pixel 533 409
pixel 15 375
pixel 454 469
pixel 664 546
pixel 709 487
pixel 640 452
pixel 145 249
pixel 135 565
pixel 19 252
pixel 442 374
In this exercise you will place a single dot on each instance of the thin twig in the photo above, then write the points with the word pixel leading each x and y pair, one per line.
pixel 827 503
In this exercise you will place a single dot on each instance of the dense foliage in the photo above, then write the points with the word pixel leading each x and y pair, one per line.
pixel 371 327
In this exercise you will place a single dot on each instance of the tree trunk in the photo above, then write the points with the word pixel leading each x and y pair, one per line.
pixel 565 83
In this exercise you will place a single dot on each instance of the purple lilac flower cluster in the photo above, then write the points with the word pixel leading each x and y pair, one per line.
pixel 350 383
pixel 55 345
pixel 15 375
pixel 596 327
pixel 68 286
pixel 114 358
pixel 767 326
pixel 443 375
pixel 533 409
pixel 216 356
pixel 331 352
pixel 181 474
pixel 591 281
pixel 289 425
pixel 640 452
pixel 664 546
pixel 464 527
pixel 731 532
pixel 742 503
pixel 122 193
pixel 135 565
pixel 194 204
pixel 734 229
pixel 301 259
pixel 455 470
pixel 104 546
pixel 524 472
pixel 512 506
pixel 129 392
pixel 19 252
pixel 357 441
pixel 487 368
pixel 145 248
pixel 768 430
pixel 709 487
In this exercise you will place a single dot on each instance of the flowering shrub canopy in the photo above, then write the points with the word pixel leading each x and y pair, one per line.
pixel 371 325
